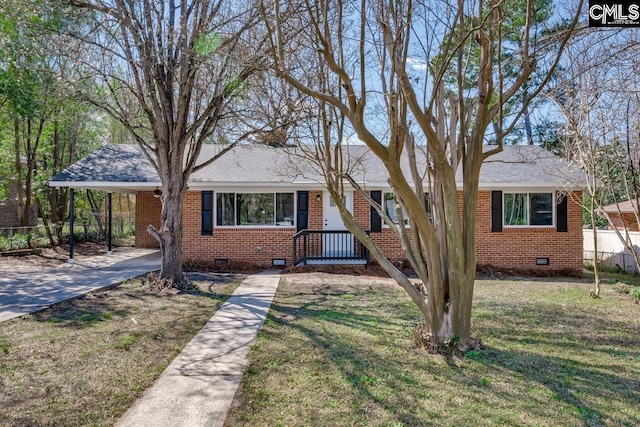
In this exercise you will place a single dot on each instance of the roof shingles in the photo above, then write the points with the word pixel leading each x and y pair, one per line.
pixel 252 165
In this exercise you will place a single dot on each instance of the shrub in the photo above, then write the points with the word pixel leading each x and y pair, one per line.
pixel 621 288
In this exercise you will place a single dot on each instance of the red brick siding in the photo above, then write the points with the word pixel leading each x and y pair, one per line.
pixel 9 209
pixel 148 210
pixel 255 245
pixel 361 211
pixel 514 248
pixel 315 210
pixel 629 221
pixel 386 240
pixel 518 248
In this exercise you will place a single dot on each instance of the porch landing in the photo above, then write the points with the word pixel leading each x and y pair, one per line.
pixel 333 262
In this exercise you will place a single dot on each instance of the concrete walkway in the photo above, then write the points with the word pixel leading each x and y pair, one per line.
pixel 198 387
pixel 27 289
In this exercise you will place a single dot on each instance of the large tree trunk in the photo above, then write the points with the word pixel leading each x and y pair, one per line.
pixel 170 233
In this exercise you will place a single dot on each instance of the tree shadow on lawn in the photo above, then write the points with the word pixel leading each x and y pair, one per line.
pixel 215 281
pixel 82 312
pixel 94 307
pixel 555 325
pixel 571 382
pixel 353 361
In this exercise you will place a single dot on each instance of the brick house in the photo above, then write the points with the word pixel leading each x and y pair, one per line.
pixel 624 214
pixel 267 206
pixel 10 210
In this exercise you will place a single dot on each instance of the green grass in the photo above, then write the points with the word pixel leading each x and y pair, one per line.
pixel 617 276
pixel 333 354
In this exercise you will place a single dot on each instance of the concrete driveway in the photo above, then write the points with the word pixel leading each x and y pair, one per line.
pixel 27 289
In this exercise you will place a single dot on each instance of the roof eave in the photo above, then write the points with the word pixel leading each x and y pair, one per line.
pixel 108 186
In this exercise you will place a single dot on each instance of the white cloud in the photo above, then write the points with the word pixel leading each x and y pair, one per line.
pixel 417 64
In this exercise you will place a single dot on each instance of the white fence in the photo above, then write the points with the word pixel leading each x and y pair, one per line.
pixel 611 251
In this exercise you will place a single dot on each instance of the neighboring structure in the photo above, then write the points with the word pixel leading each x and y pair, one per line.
pixel 624 214
pixel 253 203
pixel 9 210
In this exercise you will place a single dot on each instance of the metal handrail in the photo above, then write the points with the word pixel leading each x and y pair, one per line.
pixel 328 245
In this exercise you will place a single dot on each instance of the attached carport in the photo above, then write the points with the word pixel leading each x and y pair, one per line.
pixel 112 169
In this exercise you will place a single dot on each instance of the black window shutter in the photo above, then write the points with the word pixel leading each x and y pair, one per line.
pixel 376 221
pixel 302 220
pixel 427 205
pixel 496 211
pixel 207 213
pixel 562 223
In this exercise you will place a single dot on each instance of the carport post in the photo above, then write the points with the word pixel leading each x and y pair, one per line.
pixel 109 217
pixel 71 210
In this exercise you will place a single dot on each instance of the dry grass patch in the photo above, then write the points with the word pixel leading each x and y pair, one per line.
pixel 338 351
pixel 56 255
pixel 85 361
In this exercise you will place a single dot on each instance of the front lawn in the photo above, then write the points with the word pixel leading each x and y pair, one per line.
pixel 337 351
pixel 85 361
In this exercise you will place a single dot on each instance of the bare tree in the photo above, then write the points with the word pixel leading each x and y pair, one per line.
pixel 599 101
pixel 417 53
pixel 172 72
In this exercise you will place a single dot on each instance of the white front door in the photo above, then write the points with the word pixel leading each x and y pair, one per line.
pixel 336 244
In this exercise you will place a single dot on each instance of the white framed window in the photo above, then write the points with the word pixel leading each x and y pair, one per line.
pixel 255 209
pixel 528 209
pixel 389 206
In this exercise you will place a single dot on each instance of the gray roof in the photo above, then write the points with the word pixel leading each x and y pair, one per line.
pixel 628 206
pixel 124 168
pixel 110 163
pixel 528 165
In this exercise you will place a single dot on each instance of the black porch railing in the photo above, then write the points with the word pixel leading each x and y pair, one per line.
pixel 328 245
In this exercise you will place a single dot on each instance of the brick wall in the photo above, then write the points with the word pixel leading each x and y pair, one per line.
pixel 629 221
pixel 255 245
pixel 514 248
pixel 147 212
pixel 9 216
pixel 386 240
pixel 518 248
pixel 315 210
pixel 9 212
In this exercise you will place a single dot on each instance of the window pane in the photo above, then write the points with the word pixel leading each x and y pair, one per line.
pixel 224 209
pixel 515 209
pixel 284 209
pixel 332 202
pixel 254 209
pixel 390 208
pixel 541 205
